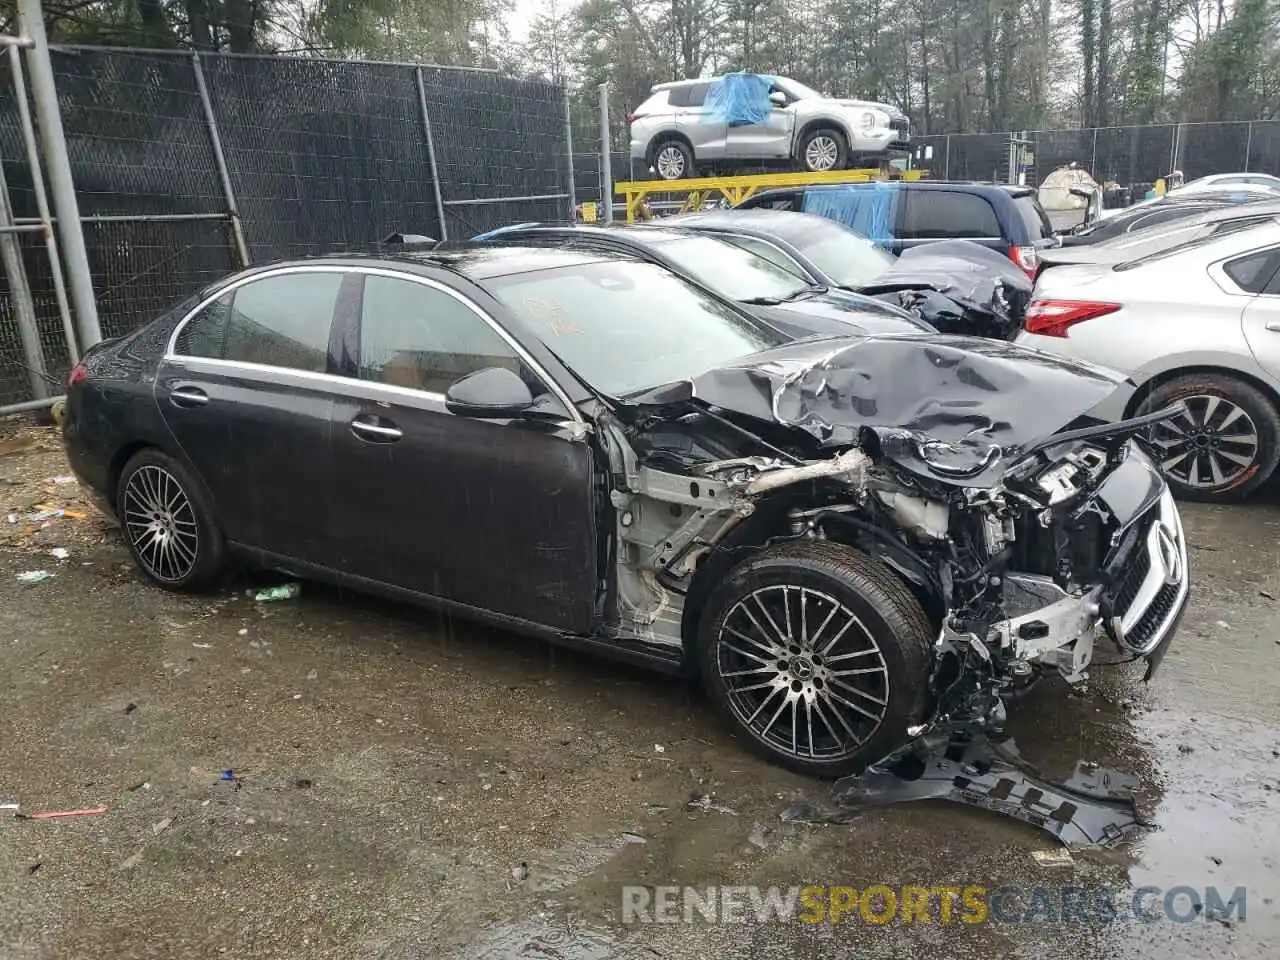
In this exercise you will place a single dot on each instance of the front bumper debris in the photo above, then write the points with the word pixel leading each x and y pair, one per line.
pixel 1094 808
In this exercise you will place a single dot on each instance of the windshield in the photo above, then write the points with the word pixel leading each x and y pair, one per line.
pixel 732 271
pixel 626 326
pixel 797 90
pixel 847 257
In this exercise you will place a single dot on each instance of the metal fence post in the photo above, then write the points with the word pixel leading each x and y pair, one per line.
pixel 42 204
pixel 45 94
pixel 1248 145
pixel 24 308
pixel 220 158
pixel 946 163
pixel 568 145
pixel 1093 155
pixel 431 154
pixel 606 155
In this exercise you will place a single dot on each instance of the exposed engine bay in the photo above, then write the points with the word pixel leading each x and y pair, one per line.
pixel 1030 548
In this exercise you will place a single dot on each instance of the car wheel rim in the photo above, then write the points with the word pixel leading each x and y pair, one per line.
pixel 802 673
pixel 821 153
pixel 161 523
pixel 1212 443
pixel 670 163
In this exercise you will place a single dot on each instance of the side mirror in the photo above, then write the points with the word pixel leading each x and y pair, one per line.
pixel 778 98
pixel 494 393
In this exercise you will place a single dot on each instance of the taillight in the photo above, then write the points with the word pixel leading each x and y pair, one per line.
pixel 1028 258
pixel 1052 318
pixel 78 374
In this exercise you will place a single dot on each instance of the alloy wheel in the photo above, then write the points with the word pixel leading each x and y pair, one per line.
pixel 821 153
pixel 1208 445
pixel 802 672
pixel 161 523
pixel 670 163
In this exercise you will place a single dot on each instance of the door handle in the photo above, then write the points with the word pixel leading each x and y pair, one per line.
pixel 385 432
pixel 188 397
pixel 1274 326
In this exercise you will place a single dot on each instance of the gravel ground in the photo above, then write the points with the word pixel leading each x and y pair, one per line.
pixel 405 786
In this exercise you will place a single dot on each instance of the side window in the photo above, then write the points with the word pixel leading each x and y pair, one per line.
pixel 413 335
pixel 281 321
pixel 692 95
pixel 942 214
pixel 1255 272
pixel 769 252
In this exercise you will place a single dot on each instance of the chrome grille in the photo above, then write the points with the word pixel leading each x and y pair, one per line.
pixel 1154 586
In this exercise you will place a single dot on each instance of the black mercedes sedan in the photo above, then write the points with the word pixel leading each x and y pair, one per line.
pixel 854 541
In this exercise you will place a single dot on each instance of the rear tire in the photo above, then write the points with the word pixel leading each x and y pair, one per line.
pixel 1227 445
pixel 817 656
pixel 673 160
pixel 823 150
pixel 167 523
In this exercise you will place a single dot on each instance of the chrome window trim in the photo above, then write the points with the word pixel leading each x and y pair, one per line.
pixel 171 356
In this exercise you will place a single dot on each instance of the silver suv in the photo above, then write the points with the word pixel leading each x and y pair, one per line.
pixel 673 134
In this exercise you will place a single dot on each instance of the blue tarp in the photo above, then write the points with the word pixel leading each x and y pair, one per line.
pixel 739 98
pixel 867 208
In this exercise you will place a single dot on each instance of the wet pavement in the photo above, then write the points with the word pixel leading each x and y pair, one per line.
pixel 404 786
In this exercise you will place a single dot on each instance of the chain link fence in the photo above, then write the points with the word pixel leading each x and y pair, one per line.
pixel 187 167
pixel 1127 155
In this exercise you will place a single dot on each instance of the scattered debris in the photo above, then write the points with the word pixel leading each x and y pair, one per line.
pixel 707 803
pixel 132 862
pixel 140 785
pixel 1217 860
pixel 302 783
pixel 629 837
pixel 226 774
pixel 243 631
pixel 1267 594
pixel 66 479
pixel 203 646
pixel 31 870
pixel 1060 857
pixel 520 872
pixel 1185 748
pixel 659 748
pixel 9 806
pixel 759 835
pixel 44 511
pixel 60 814
pixel 12 518
pixel 1224 625
pixel 161 826
pixel 286 591
pixel 34 576
pixel 313 675
pixel 130 707
pixel 805 812
pixel 60 553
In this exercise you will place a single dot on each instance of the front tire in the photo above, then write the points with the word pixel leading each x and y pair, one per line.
pixel 673 160
pixel 817 656
pixel 1224 447
pixel 823 150
pixel 167 523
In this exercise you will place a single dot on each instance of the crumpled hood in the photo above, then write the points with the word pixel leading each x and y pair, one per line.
pixel 988 287
pixel 954 408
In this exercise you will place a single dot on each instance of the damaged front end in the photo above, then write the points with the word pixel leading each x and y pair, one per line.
pixel 1033 539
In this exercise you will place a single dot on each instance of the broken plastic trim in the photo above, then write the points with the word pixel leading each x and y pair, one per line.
pixel 1094 808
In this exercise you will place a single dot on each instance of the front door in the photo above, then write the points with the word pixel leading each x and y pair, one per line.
pixel 494 514
pixel 247 394
pixel 769 140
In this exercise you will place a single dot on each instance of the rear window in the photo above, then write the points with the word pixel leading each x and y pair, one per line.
pixel 1033 217
pixel 944 215
pixel 868 210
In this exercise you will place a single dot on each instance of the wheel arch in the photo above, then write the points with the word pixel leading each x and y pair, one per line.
pixel 767 525
pixel 1149 386
pixel 820 123
pixel 663 136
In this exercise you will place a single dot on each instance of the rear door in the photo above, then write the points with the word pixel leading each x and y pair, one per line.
pixel 1259 273
pixel 246 391
pixel 705 132
pixel 494 514
pixel 872 209
pixel 929 215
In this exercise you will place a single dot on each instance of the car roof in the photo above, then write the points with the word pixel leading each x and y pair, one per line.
pixel 784 224
pixel 485 263
pixel 968 186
